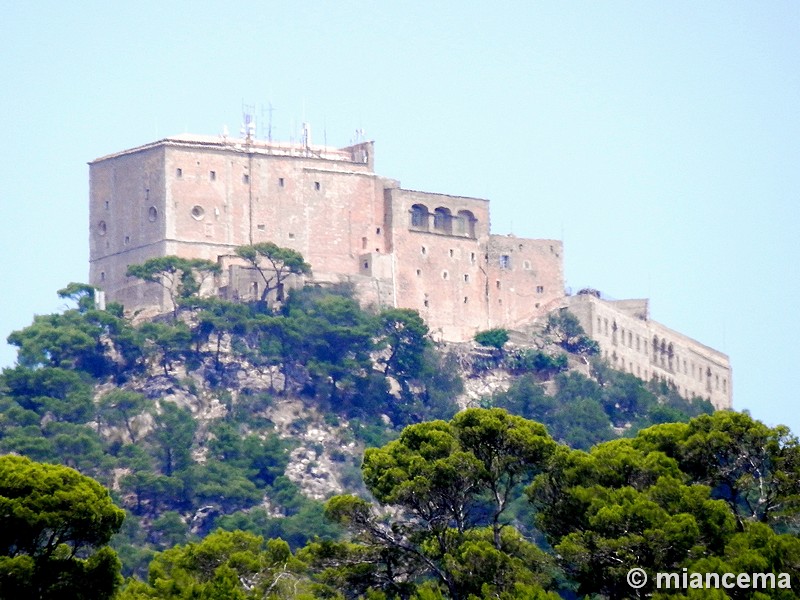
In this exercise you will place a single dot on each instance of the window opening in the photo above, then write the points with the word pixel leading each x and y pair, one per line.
pixel 419 217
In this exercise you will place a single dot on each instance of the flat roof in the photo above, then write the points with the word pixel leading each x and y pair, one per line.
pixel 256 146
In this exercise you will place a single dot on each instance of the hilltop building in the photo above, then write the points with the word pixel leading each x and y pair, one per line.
pixel 203 196
pixel 630 341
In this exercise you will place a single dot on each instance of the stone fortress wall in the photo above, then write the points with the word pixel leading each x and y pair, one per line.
pixel 202 196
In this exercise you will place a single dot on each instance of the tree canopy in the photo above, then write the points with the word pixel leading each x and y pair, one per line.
pixel 273 264
pixel 181 278
pixel 55 525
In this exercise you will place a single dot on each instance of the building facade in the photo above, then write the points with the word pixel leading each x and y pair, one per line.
pixel 201 197
pixel 630 341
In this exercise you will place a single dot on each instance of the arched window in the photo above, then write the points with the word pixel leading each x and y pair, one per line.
pixel 465 224
pixel 443 220
pixel 419 217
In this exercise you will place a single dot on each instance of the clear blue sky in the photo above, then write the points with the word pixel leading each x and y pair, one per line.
pixel 659 140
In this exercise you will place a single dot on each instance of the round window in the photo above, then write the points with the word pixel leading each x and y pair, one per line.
pixel 101 228
pixel 152 214
pixel 198 212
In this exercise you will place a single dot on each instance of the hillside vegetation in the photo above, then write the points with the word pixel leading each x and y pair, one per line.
pixel 247 417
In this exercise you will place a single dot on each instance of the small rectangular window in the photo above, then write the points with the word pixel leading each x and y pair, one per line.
pixel 497 284
pixel 245 178
pixel 466 278
pixel 261 227
pixel 540 289
pixel 212 175
pixel 472 257
pixel 106 203
pixel 316 185
pixel 179 173
pixel 291 236
pixel 102 275
pixel 505 261
pixel 378 231
pixel 451 253
pixel 281 182
pixel 127 240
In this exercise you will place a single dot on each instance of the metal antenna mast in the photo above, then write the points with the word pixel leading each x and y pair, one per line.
pixel 248 129
pixel 269 110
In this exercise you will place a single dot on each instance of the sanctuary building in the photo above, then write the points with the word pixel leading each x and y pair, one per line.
pixel 203 196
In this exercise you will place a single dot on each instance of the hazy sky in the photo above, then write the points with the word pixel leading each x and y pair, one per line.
pixel 659 140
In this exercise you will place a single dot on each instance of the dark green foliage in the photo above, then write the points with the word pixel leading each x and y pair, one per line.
pixel 527 398
pixel 720 487
pixel 298 529
pixel 496 338
pixel 181 278
pixel 528 360
pixel 403 336
pixel 332 338
pixel 54 527
pixel 120 408
pixel 223 566
pixel 566 331
pixel 274 264
pixel 64 394
pixel 167 343
pixel 439 473
pixel 752 467
pixel 584 411
pixel 259 459
pixel 695 495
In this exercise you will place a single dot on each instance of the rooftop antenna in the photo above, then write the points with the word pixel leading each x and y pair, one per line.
pixel 269 112
pixel 306 136
pixel 248 129
pixel 359 137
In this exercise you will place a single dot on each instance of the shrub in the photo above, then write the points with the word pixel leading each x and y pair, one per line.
pixel 495 338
